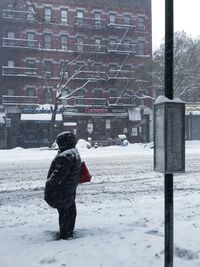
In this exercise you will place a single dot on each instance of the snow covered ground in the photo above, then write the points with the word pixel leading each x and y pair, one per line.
pixel 120 213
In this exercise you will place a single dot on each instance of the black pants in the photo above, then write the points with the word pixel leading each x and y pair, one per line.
pixel 67 218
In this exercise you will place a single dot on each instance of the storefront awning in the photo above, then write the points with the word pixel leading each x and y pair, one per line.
pixel 39 117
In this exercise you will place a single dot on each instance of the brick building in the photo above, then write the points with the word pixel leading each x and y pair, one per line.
pixel 89 51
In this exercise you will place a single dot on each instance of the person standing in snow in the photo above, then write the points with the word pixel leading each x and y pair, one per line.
pixel 62 180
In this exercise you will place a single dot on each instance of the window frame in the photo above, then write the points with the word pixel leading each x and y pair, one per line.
pixel 31 63
pixel 141 51
pixel 47 17
pixel 96 18
pixel 111 20
pixel 48 94
pixel 8 90
pixel 80 45
pixel 29 89
pixel 64 42
pixel 48 66
pixel 30 41
pixel 127 19
pixel 64 17
pixel 98 46
pixel 141 22
pixel 48 43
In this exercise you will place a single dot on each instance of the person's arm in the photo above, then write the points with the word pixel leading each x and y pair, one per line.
pixel 51 169
pixel 61 169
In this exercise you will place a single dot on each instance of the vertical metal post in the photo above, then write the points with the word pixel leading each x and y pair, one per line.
pixel 169 40
pixel 169 222
pixel 5 140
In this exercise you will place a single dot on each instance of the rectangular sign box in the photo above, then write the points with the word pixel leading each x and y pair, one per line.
pixel 169 137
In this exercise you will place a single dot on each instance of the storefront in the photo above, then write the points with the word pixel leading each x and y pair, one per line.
pixel 34 129
pixel 103 124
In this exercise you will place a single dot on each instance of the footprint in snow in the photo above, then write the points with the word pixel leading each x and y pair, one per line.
pixel 48 260
pixel 154 232
pixel 185 254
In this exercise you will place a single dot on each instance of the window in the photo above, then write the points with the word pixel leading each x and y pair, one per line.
pixel 97 44
pixel 127 67
pixel 31 38
pixel 11 91
pixel 47 94
pixel 31 91
pixel 112 18
pixel 30 63
pixel 12 41
pixel 97 69
pixel 113 70
pixel 31 12
pixel 141 47
pixel 47 41
pixel 114 93
pixel 127 19
pixel 127 45
pixel 98 93
pixel 81 92
pixel 63 17
pixel 112 44
pixel 80 43
pixel 11 35
pixel 80 15
pixel 64 70
pixel 80 66
pixel 11 63
pixel 97 17
pixel 47 68
pixel 65 91
pixel 47 14
pixel 141 23
pixel 63 42
pixel 113 66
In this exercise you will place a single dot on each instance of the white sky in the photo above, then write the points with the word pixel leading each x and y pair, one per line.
pixel 186 17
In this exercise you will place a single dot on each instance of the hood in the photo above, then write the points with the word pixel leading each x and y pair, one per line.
pixel 66 140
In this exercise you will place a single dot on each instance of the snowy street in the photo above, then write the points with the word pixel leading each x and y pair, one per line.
pixel 120 219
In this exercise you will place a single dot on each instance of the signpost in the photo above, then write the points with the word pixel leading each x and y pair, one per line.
pixel 169 132
pixel 169 157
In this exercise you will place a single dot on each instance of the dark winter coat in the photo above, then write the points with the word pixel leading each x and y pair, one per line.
pixel 63 178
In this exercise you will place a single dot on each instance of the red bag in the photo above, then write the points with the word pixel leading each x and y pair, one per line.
pixel 85 175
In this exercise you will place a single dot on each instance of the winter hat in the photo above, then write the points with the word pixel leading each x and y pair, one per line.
pixel 66 139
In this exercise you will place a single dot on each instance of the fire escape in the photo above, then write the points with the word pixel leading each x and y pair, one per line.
pixel 15 68
pixel 122 47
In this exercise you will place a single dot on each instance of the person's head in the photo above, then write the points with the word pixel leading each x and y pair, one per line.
pixel 66 140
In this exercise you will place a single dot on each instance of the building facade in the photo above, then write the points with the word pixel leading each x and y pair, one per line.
pixel 86 52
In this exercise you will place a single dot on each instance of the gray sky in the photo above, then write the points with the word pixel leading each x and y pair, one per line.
pixel 186 17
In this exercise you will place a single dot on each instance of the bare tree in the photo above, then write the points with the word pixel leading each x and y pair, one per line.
pixel 186 67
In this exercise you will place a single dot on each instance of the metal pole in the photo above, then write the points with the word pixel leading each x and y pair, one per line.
pixel 5 135
pixel 169 40
pixel 169 222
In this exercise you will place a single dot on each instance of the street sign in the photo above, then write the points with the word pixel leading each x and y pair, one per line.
pixel 169 137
